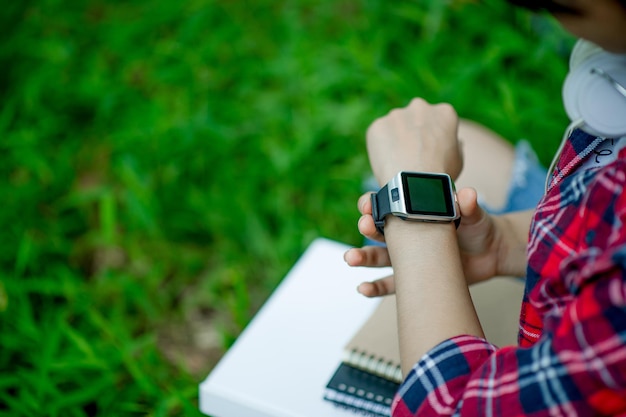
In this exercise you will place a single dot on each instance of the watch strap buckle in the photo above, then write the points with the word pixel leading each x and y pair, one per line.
pixel 378 221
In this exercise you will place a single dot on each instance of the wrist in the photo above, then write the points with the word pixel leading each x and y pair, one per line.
pixel 396 226
pixel 410 244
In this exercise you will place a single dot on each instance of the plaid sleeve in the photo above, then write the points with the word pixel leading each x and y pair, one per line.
pixel 578 366
pixel 578 370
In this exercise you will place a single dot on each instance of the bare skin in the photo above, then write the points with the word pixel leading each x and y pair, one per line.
pixel 602 22
pixel 489 246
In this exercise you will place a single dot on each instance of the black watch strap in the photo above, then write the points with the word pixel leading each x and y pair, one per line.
pixel 380 208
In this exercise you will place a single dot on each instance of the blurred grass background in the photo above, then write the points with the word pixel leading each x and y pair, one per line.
pixel 164 163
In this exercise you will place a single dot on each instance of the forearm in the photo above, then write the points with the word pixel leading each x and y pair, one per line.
pixel 433 300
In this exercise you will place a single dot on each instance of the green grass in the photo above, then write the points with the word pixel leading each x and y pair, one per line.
pixel 164 163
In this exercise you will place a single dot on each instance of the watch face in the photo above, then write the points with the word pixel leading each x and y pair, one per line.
pixel 428 194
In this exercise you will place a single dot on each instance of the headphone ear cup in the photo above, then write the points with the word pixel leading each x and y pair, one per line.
pixel 583 50
pixel 591 97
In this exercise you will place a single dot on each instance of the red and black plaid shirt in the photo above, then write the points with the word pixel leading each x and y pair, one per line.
pixel 571 358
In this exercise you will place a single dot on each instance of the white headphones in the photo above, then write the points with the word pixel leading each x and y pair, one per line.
pixel 594 92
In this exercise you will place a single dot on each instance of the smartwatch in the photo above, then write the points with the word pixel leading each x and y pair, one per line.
pixel 417 196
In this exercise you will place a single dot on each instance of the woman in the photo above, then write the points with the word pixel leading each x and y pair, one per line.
pixel 571 358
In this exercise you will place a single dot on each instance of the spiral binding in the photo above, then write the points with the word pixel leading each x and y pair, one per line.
pixel 370 363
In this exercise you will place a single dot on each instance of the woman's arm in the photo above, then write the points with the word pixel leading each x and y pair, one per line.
pixel 432 297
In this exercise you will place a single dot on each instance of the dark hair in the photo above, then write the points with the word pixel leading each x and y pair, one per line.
pixel 551 6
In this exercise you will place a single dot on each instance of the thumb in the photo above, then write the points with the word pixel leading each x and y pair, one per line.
pixel 471 212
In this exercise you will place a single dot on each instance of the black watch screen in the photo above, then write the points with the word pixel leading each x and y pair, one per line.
pixel 427 194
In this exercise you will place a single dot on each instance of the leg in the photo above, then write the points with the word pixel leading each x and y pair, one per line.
pixel 488 162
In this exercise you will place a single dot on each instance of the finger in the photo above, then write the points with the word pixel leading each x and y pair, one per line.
pixel 372 256
pixel 378 288
pixel 365 203
pixel 367 228
pixel 471 212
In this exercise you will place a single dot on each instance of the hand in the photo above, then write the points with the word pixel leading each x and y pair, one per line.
pixel 419 137
pixel 479 243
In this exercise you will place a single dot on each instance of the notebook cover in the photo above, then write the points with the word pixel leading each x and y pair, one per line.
pixel 361 391
pixel 281 363
pixel 374 347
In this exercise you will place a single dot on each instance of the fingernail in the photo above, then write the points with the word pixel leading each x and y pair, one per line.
pixel 360 220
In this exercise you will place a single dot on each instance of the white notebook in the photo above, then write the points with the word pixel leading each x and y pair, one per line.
pixel 280 365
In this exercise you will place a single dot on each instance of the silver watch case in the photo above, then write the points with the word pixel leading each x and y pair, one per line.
pixel 399 199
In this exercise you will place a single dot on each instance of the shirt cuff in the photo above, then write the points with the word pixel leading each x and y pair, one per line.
pixel 438 380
